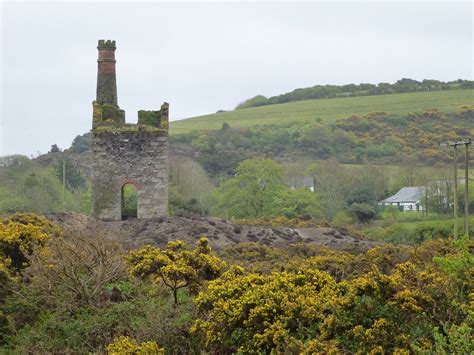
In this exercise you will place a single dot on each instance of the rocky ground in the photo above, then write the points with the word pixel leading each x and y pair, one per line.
pixel 133 233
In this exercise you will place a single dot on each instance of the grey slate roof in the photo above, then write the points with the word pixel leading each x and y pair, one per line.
pixel 407 194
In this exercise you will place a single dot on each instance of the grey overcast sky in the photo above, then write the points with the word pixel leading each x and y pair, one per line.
pixel 202 57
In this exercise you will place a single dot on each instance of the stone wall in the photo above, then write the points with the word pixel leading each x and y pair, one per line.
pixel 135 155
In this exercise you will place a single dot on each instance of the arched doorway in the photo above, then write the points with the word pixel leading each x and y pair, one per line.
pixel 129 201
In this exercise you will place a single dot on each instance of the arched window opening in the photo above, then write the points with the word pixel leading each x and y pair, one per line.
pixel 129 201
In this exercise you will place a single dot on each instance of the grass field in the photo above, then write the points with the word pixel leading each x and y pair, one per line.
pixel 327 110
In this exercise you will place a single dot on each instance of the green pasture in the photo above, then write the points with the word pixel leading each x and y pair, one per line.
pixel 327 110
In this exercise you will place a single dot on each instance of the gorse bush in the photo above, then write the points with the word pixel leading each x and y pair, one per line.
pixel 71 294
pixel 20 234
pixel 176 267
pixel 389 299
pixel 126 345
pixel 251 313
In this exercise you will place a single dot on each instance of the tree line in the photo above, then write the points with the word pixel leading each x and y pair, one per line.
pixel 318 92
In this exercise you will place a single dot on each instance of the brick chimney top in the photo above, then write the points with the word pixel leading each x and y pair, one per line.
pixel 106 44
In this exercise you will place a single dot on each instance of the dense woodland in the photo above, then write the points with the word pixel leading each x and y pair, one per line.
pixel 350 90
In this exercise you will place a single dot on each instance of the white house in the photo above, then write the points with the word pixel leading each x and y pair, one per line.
pixel 407 199
pixel 298 182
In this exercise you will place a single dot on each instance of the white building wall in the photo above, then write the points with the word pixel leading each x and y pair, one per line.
pixel 406 206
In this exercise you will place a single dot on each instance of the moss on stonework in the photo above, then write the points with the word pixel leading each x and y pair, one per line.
pixel 152 118
pixel 129 128
pixel 97 112
pixel 109 112
pixel 165 126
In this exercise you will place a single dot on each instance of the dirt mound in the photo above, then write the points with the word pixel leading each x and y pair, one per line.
pixel 133 233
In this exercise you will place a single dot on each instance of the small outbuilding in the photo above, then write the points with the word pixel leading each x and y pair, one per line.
pixel 301 182
pixel 407 199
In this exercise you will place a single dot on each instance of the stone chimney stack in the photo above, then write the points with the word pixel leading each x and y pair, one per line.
pixel 106 80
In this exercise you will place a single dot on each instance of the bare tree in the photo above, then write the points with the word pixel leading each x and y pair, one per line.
pixel 376 177
pixel 192 182
pixel 332 183
pixel 76 270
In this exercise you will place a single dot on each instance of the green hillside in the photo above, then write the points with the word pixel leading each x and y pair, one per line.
pixel 328 110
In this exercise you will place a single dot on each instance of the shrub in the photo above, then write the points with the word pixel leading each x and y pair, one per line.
pixel 75 271
pixel 127 345
pixel 364 212
pixel 263 313
pixel 20 234
pixel 135 309
pixel 176 267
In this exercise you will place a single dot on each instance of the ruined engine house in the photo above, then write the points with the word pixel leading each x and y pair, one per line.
pixel 124 153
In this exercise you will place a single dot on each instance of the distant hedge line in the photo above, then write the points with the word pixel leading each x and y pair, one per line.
pixel 336 91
